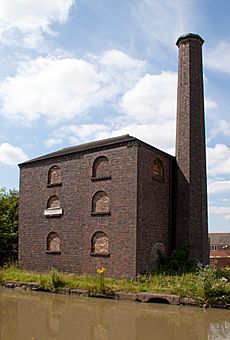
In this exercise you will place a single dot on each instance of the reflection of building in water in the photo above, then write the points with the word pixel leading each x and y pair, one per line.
pixel 8 315
pixel 219 330
pixel 53 321
pixel 99 332
pixel 172 323
pixel 118 202
pixel 46 316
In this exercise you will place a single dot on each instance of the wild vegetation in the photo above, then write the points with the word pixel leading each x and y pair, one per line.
pixel 205 285
pixel 8 225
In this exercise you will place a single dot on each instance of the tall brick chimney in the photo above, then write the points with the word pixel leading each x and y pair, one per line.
pixel 191 187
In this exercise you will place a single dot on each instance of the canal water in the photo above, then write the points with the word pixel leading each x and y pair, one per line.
pixel 43 316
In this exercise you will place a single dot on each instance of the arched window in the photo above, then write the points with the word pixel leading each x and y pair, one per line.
pixel 101 168
pixel 53 203
pixel 54 175
pixel 53 242
pixel 100 202
pixel 158 169
pixel 100 243
pixel 53 207
pixel 157 250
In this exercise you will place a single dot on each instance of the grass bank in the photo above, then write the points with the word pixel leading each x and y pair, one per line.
pixel 205 285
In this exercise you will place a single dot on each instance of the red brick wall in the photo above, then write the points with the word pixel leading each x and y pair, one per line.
pixel 220 262
pixel 120 226
pixel 154 206
pixel 76 226
pixel 191 189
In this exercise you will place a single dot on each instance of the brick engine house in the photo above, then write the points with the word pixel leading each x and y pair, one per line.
pixel 118 202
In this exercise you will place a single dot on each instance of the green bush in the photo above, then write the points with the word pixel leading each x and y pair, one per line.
pixel 57 279
pixel 177 263
pixel 44 282
pixel 8 225
pixel 210 286
pixel 224 273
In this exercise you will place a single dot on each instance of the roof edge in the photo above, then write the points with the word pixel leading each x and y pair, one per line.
pixel 80 148
pixel 103 143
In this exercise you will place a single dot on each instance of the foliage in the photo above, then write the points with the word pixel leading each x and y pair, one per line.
pixel 43 282
pixel 177 263
pixel 8 225
pixel 224 273
pixel 212 287
pixel 206 285
pixel 57 279
pixel 10 272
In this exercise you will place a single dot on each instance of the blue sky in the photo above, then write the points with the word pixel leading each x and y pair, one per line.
pixel 76 71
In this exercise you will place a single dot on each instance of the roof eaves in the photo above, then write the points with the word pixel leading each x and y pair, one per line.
pixel 81 148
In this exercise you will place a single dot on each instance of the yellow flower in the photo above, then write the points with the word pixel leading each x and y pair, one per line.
pixel 101 270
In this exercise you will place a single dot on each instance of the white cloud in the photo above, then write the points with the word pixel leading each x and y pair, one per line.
pixel 63 88
pixel 212 58
pixel 11 155
pixel 118 60
pixel 76 134
pixel 218 160
pixel 147 111
pixel 225 200
pixel 221 127
pixel 219 186
pixel 53 141
pixel 225 211
pixel 210 104
pixel 152 99
pixel 161 136
pixel 31 18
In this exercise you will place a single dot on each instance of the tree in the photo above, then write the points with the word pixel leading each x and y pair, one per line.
pixel 8 225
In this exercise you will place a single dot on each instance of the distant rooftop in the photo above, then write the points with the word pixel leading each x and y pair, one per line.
pixel 219 238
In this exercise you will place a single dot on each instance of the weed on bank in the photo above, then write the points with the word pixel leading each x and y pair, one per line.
pixel 205 284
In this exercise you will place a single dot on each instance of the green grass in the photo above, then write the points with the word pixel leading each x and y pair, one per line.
pixel 206 284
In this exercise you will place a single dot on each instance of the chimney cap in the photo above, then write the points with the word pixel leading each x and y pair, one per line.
pixel 189 36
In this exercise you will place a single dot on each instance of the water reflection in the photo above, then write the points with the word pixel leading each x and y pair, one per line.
pixel 53 321
pixel 41 316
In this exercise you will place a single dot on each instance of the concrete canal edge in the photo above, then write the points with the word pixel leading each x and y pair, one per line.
pixel 146 297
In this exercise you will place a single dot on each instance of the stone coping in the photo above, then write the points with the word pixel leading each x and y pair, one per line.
pixel 146 297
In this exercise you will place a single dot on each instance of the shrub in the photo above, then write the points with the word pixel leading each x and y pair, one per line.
pixel 43 281
pixel 224 273
pixel 210 286
pixel 177 263
pixel 57 278
pixel 8 225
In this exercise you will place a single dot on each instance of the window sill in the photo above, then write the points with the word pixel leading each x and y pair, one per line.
pixel 102 178
pixel 53 252
pixel 100 254
pixel 54 185
pixel 53 212
pixel 100 213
